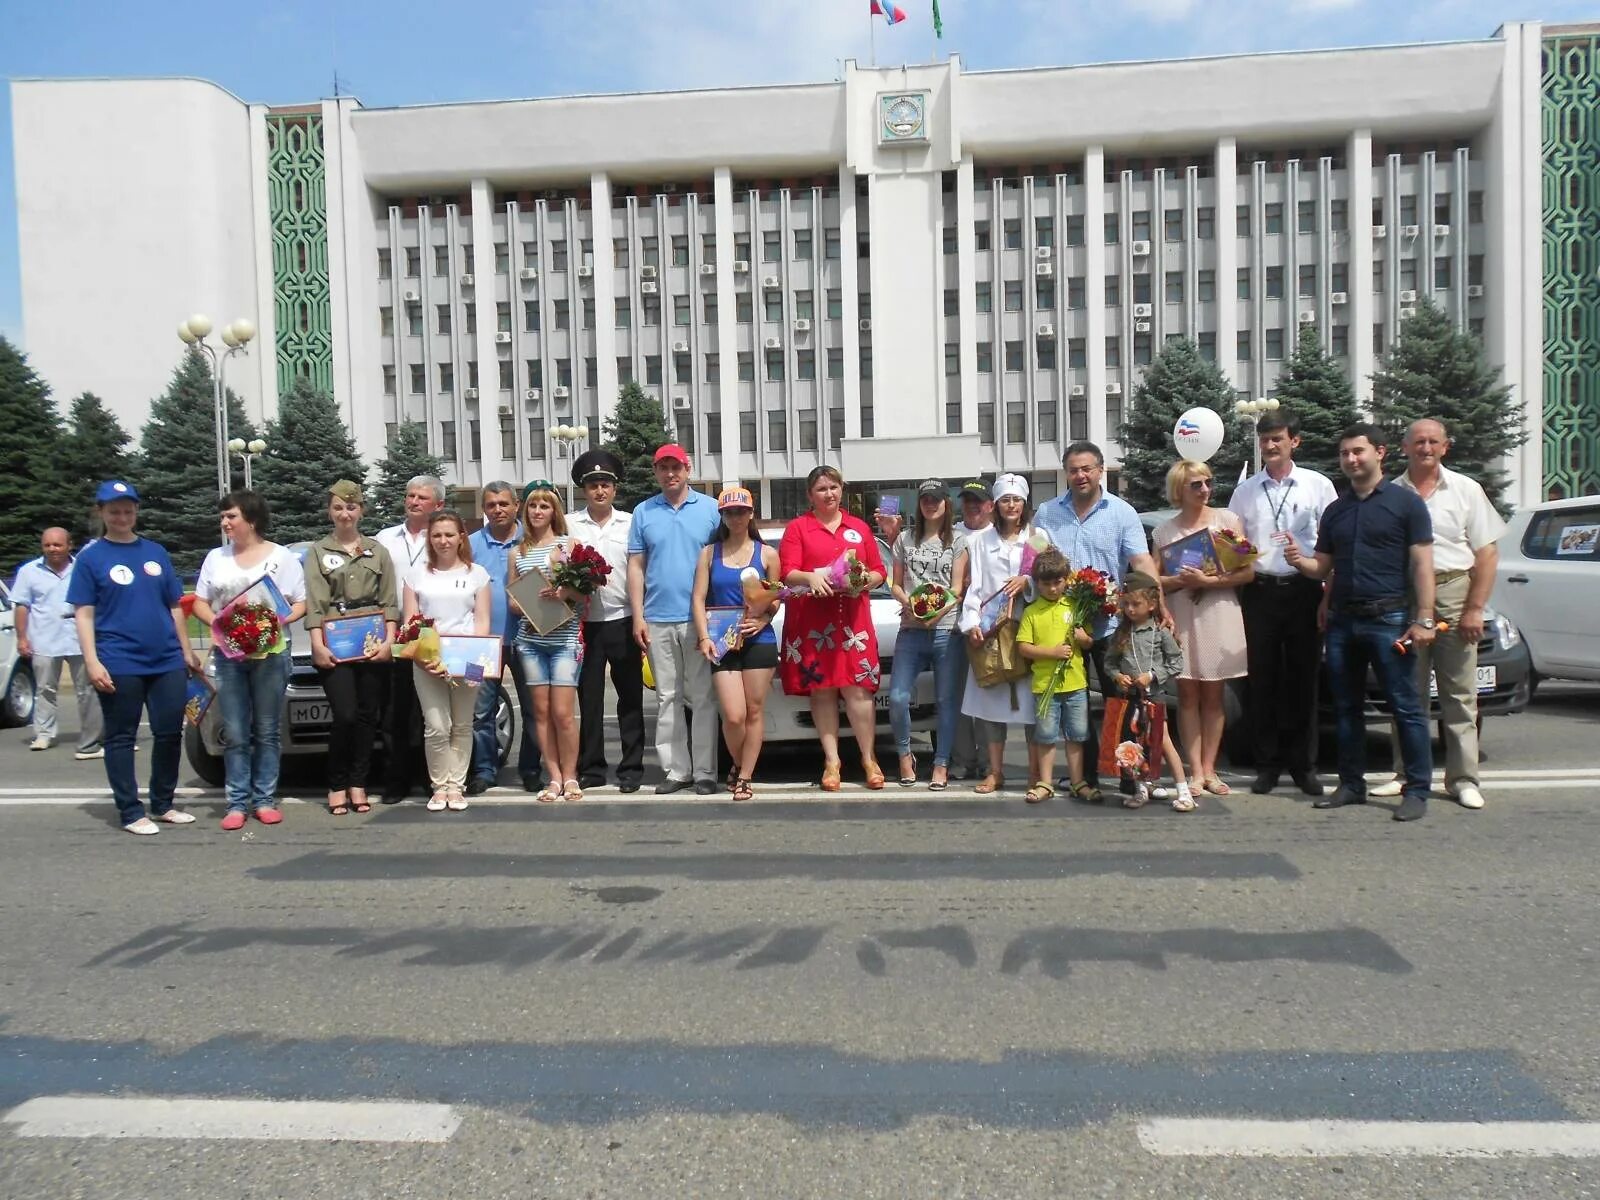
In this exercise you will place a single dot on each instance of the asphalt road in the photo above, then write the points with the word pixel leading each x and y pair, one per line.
pixel 870 996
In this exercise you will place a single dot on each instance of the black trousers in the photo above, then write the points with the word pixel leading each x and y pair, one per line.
pixel 1284 659
pixel 610 643
pixel 404 761
pixel 356 692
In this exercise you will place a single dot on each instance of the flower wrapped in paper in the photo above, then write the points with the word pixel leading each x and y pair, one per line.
pixel 251 624
pixel 1234 550
pixel 760 594
pixel 930 601
pixel 583 569
pixel 847 574
pixel 1038 542
pixel 417 640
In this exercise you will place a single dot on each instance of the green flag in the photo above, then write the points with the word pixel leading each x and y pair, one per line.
pixel 938 25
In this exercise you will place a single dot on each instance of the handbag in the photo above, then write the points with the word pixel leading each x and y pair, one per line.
pixel 996 659
pixel 1141 722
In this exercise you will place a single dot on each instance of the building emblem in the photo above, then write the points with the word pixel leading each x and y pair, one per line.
pixel 902 117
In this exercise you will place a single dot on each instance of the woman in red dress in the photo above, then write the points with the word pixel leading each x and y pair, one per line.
pixel 830 649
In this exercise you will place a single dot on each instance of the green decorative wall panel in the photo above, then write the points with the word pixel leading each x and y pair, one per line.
pixel 297 200
pixel 1570 140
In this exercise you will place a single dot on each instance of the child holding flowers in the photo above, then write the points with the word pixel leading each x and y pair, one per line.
pixel 1141 658
pixel 1053 638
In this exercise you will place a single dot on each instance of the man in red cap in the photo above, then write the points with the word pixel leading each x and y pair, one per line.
pixel 664 544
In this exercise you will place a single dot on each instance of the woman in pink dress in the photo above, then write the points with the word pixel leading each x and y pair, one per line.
pixel 1209 624
pixel 830 649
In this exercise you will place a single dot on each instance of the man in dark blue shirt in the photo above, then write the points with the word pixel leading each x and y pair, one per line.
pixel 1376 541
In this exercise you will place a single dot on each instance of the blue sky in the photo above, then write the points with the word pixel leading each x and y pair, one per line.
pixel 410 52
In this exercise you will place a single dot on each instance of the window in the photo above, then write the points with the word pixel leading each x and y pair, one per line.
pixel 1075 292
pixel 1140 231
pixel 1341 340
pixel 1013 234
pixel 1172 225
pixel 1013 295
pixel 771 246
pixel 1205 223
pixel 558 257
pixel 447 377
pixel 649 252
pixel 1141 349
pixel 950 244
pixel 385 268
pixel 1242 346
pixel 1113 352
pixel 804 306
pixel 835 304
pixel 1377 275
pixel 502 317
pixel 777 431
pixel 741 247
pixel 1207 340
pixel 1174 287
pixel 747 431
pixel 1274 286
pixel 414 320
pixel 713 434
pixel 1141 288
pixel 1044 353
pixel 624 312
pixel 1408 274
pixel 442 318
pixel 386 321
pixel 985 297
pixel 952 358
pixel 985 358
pixel 1408 210
pixel 619 253
pixel 680 310
pixel 864 303
pixel 708 307
pixel 413 262
pixel 652 369
pixel 505 381
pixel 1047 421
pixel 772 306
pixel 986 424
pixel 1475 268
pixel 1475 208
pixel 419 379
pixel 441 261
pixel 713 368
pixel 1566 533
pixel 1077 353
pixel 447 439
pixel 535 372
pixel 530 254
pixel 1274 344
pixel 530 316
pixel 1113 291
pixel 502 259
pixel 1016 424
pixel 475 451
pixel 508 436
pixel 952 416
pixel 708 248
pixel 805 364
pixel 624 369
pixel 1306 216
pixel 1044 294
pixel 980 235
pixel 808 428
pixel 1441 271
pixel 952 302
pixel 388 381
pixel 1308 281
pixel 774 366
pixel 1377 210
pixel 1273 222
pixel 1241 221
pixel 1044 231
pixel 744 308
pixel 1339 279
pixel 561 315
pixel 866 362
pixel 1113 229
pixel 651 311
pixel 680 369
pixel 802 245
pixel 1014 360
pixel 830 244
pixel 747 367
pixel 1074 231
pixel 1338 215
pixel 680 250
pixel 564 371
pixel 835 363
pixel 1205 286
pixel 472 318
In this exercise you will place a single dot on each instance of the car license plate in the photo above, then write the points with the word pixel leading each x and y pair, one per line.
pixel 310 712
pixel 1486 682
pixel 880 700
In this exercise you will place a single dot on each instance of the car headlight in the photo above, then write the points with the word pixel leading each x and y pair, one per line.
pixel 1505 633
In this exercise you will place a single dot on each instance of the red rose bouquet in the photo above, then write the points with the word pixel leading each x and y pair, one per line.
pixel 1090 594
pixel 930 601
pixel 417 640
pixel 251 624
pixel 584 570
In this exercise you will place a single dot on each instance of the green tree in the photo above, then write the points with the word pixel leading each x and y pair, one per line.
pixel 1316 394
pixel 308 448
pixel 177 469
pixel 1179 379
pixel 408 457
pixel 1436 370
pixel 634 432
pixel 33 494
pixel 94 448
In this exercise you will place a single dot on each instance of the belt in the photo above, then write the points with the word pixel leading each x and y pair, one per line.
pixel 1278 580
pixel 1449 576
pixel 1372 608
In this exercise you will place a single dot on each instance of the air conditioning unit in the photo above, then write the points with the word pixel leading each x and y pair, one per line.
pixel 528 274
pixel 865 324
pixel 771 282
pixel 470 394
pixel 1407 313
pixel 708 268
pixel 1141 249
pixel 1338 298
pixel 437 201
pixel 1142 310
pixel 505 410
pixel 561 391
pixel 1440 231
pixel 680 347
pixel 1044 270
pixel 584 271
pixel 502 339
pixel 413 297
pixel 1141 326
pixel 648 289
pixel 550 194
pixel 681 403
pixel 1046 330
pixel 647 272
pixel 532 394
pixel 1408 296
pixel 1079 390
pixel 802 324
pixel 1474 291
pixel 741 266
pixel 1380 231
pixel 1113 388
pixel 773 343
pixel 1042 253
pixel 1308 317
pixel 466 281
pixel 1410 231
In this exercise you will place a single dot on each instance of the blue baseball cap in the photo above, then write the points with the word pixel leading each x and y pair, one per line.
pixel 115 489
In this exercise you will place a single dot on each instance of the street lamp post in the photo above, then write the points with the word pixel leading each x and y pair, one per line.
pixel 1252 411
pixel 249 451
pixel 235 337
pixel 566 437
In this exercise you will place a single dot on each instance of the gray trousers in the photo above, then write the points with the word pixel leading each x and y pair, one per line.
pixel 683 681
pixel 1455 665
pixel 47 682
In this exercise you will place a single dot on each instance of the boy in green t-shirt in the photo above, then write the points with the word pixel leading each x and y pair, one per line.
pixel 1049 639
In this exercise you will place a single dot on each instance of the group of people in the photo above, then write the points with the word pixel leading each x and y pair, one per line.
pixel 1393 574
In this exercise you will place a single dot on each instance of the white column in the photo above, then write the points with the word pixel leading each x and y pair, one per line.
pixel 263 353
pixel 849 284
pixel 605 318
pixel 1227 229
pixel 728 330
pixel 966 266
pixel 1094 243
pixel 490 465
pixel 1358 167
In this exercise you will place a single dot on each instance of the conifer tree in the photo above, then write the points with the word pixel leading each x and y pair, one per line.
pixel 308 449
pixel 176 474
pixel 634 432
pixel 1316 394
pixel 1179 379
pixel 1436 370
pixel 408 456
pixel 93 449
pixel 33 493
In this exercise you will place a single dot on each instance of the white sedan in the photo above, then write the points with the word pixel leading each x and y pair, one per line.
pixel 1548 585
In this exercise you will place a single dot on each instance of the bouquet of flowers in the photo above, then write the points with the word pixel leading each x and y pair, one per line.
pixel 251 624
pixel 1130 757
pixel 1234 550
pixel 417 640
pixel 847 573
pixel 1038 542
pixel 1090 594
pixel 930 601
pixel 584 570
pixel 760 593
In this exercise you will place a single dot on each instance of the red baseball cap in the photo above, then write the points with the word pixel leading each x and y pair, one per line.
pixel 671 450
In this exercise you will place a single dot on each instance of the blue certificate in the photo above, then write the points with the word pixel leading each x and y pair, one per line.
pixel 198 696
pixel 470 657
pixel 722 627
pixel 1196 550
pixel 348 637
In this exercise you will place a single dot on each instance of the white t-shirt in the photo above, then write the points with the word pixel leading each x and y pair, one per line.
pixel 450 597
pixel 222 578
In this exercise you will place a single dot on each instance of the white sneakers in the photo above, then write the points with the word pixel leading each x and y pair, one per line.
pixel 144 826
pixel 1469 797
pixel 436 802
pixel 1389 787
pixel 86 755
pixel 40 743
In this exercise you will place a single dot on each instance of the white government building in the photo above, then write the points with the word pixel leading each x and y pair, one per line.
pixel 916 271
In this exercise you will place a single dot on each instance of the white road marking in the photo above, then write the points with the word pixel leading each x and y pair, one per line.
pixel 1172 1136
pixel 245 1120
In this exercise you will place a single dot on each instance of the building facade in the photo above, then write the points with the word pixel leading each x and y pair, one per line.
pixel 913 271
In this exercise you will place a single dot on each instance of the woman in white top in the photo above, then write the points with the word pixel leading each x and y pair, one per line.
pixel 453 592
pixel 250 690
pixel 994 564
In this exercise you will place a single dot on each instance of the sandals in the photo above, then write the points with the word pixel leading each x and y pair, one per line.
pixel 830 776
pixel 436 802
pixel 1184 802
pixel 550 794
pixel 1039 793
pixel 1085 792
pixel 337 810
pixel 741 789
pixel 455 802
pixel 874 777
pixel 908 779
pixel 1215 786
pixel 939 785
pixel 990 784
pixel 362 805
pixel 1139 798
pixel 572 790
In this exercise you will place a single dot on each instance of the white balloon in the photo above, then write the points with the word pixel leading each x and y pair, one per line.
pixel 1198 434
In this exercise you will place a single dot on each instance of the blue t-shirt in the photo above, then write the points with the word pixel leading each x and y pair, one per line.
pixel 673 539
pixel 133 589
pixel 1370 541
pixel 1107 539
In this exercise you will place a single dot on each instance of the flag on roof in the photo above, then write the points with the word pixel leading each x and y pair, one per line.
pixel 889 11
pixel 938 25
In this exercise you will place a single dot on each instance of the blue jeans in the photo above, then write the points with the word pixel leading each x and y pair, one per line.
pixel 485 750
pixel 250 693
pixel 163 696
pixel 915 650
pixel 1353 644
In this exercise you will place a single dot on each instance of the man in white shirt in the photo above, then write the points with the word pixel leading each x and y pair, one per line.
pixel 1280 503
pixel 407 544
pixel 47 634
pixel 1466 551
pixel 607 630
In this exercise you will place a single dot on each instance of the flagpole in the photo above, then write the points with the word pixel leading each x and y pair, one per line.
pixel 872 32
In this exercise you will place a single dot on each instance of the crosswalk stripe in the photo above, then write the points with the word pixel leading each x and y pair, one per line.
pixel 1199 1137
pixel 245 1120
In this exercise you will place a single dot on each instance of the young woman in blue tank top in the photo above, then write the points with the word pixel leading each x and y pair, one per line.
pixel 742 676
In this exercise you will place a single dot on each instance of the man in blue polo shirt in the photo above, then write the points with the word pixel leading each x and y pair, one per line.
pixel 1376 541
pixel 664 543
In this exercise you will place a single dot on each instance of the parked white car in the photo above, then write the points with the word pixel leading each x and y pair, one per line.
pixel 1548 585
pixel 16 701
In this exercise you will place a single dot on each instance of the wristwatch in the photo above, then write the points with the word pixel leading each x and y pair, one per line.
pixel 1425 623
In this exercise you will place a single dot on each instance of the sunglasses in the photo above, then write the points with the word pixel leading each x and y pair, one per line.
pixel 1199 485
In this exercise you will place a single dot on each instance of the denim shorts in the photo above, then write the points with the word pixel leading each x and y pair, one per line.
pixel 549 666
pixel 1066 717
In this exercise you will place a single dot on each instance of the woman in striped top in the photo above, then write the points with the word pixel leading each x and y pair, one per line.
pixel 550 660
